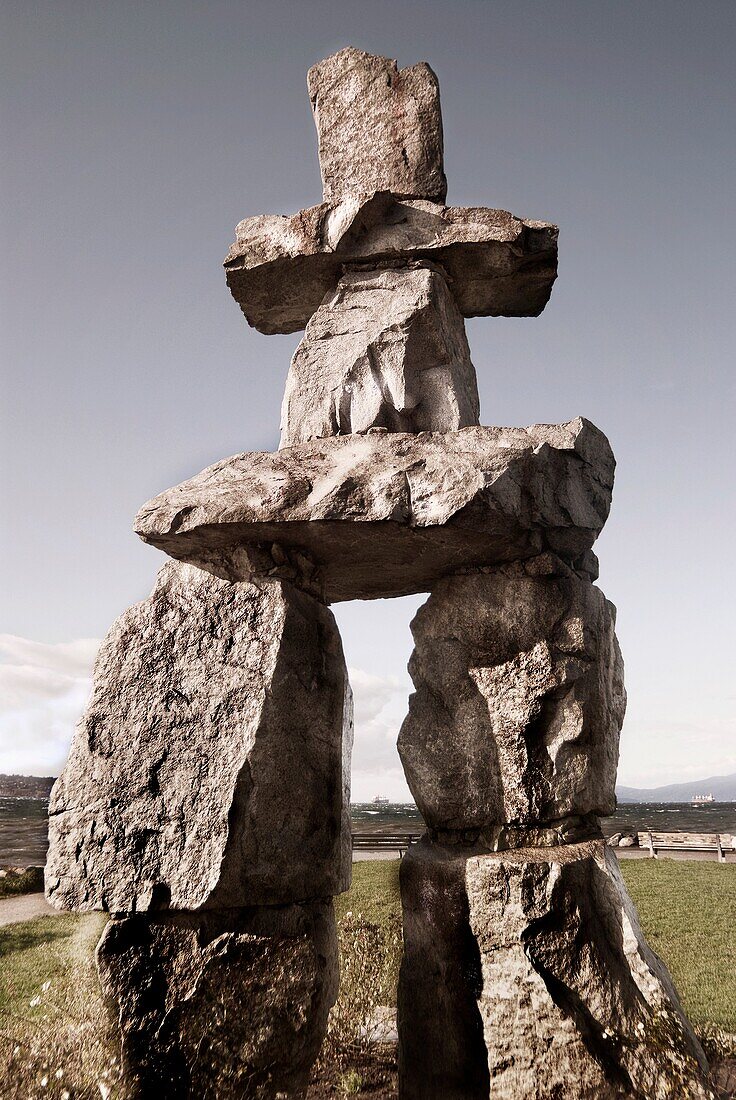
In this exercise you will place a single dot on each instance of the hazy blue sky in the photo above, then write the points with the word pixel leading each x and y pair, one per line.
pixel 135 136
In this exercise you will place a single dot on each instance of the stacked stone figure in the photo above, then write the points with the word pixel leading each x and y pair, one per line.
pixel 205 801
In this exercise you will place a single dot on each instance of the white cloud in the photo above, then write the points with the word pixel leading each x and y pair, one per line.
pixel 68 658
pixel 655 751
pixel 373 693
pixel 380 707
pixel 43 690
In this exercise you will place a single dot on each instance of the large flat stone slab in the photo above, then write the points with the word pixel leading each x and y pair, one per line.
pixel 526 976
pixel 281 266
pixel 225 1004
pixel 211 768
pixel 519 700
pixel 386 349
pixel 386 514
pixel 379 127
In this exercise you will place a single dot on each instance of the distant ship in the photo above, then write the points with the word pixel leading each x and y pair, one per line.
pixel 378 801
pixel 701 799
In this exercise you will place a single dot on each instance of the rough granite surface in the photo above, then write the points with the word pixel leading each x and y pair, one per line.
pixel 211 768
pixel 388 350
pixel 222 1005
pixel 281 266
pixel 379 127
pixel 519 699
pixel 386 514
pixel 526 977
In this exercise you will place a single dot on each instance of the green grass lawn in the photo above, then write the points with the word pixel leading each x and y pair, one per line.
pixel 687 911
pixel 56 1039
pixel 688 914
pixel 374 893
pixel 52 1017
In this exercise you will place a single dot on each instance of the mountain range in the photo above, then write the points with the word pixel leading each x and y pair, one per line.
pixel 722 787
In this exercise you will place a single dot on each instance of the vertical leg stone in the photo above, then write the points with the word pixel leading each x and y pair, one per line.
pixel 205 804
pixel 209 768
pixel 526 977
pixel 519 701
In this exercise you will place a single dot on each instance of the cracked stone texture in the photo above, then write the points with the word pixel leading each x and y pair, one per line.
pixel 281 266
pixel 526 977
pixel 386 514
pixel 211 768
pixel 379 127
pixel 221 1004
pixel 386 349
pixel 519 699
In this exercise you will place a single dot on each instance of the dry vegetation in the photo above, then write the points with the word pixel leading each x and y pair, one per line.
pixel 21 881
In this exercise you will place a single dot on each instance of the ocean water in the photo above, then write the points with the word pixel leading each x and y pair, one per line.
pixel 660 817
pixel 23 823
pixel 23 831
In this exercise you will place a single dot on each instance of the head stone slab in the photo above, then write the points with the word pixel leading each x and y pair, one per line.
pixel 379 127
pixel 380 149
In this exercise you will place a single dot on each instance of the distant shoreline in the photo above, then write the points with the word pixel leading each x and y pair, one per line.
pixel 721 787
pixel 24 822
pixel 36 787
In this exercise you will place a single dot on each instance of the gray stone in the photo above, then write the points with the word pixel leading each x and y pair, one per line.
pixel 222 1005
pixel 385 514
pixel 386 349
pixel 519 699
pixel 281 266
pixel 379 127
pixel 526 977
pixel 211 768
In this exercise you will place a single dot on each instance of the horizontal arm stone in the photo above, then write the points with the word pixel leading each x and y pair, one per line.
pixel 281 267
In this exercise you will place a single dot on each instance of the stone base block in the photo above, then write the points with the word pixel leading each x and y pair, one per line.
pixel 223 1004
pixel 526 977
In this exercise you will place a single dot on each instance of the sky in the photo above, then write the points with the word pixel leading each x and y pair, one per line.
pixel 135 136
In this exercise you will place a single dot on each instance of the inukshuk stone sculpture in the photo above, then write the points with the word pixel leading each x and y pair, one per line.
pixel 205 800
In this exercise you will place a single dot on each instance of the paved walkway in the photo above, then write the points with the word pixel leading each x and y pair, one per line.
pixel 25 907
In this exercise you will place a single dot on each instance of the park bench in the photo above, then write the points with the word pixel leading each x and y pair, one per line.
pixel 685 842
pixel 384 842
